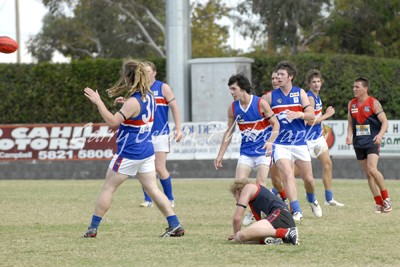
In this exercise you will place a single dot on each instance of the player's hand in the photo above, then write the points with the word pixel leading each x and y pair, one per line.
pixel 349 140
pixel 218 162
pixel 330 111
pixel 378 140
pixel 178 135
pixel 93 96
pixel 119 100
pixel 268 147
pixel 231 237
pixel 291 115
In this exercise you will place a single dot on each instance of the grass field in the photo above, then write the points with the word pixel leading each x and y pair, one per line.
pixel 42 221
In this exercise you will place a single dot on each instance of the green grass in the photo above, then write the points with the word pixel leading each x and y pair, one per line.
pixel 42 221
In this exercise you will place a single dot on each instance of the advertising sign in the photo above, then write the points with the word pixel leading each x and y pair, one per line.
pixel 337 132
pixel 201 140
pixel 56 142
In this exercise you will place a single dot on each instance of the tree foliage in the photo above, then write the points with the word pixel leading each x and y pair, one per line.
pixel 101 29
pixel 208 38
pixel 126 28
pixel 363 27
pixel 81 29
pixel 288 25
pixel 53 93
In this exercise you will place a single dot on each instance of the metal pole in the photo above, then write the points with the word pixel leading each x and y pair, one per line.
pixel 18 32
pixel 178 48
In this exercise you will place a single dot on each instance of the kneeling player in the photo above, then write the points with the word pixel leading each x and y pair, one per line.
pixel 274 223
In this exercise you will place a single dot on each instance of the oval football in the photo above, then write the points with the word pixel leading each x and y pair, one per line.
pixel 8 45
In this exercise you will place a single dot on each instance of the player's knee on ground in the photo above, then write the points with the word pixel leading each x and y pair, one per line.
pixel 243 236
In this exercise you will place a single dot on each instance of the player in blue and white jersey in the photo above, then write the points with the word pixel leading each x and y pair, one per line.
pixel 161 134
pixel 258 127
pixel 165 99
pixel 291 106
pixel 135 154
pixel 276 177
pixel 254 118
pixel 316 142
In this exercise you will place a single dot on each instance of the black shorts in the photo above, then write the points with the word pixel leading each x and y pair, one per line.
pixel 281 218
pixel 362 153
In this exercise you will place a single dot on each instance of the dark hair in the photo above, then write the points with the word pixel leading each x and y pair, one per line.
pixel 241 81
pixel 289 67
pixel 364 81
pixel 311 74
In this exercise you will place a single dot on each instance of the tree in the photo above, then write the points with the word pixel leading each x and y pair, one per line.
pixel 208 38
pixel 289 25
pixel 117 29
pixel 363 27
pixel 101 28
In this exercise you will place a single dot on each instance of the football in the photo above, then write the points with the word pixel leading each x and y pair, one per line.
pixel 329 135
pixel 8 45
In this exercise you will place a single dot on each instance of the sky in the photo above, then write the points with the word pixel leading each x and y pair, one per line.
pixel 31 13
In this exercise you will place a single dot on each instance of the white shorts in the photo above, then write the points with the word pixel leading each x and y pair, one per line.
pixel 291 152
pixel 132 167
pixel 254 162
pixel 317 147
pixel 160 143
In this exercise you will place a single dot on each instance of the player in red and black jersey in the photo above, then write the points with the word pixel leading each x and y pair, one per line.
pixel 274 223
pixel 365 130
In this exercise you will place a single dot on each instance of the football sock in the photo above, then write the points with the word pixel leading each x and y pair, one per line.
pixel 328 195
pixel 311 197
pixel 173 221
pixel 274 191
pixel 167 187
pixel 283 194
pixel 378 200
pixel 295 206
pixel 146 196
pixel 95 221
pixel 281 232
pixel 384 194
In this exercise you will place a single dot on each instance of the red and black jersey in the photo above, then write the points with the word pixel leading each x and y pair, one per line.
pixel 366 124
pixel 263 203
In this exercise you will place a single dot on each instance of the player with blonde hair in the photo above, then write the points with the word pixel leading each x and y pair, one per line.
pixel 135 154
pixel 274 223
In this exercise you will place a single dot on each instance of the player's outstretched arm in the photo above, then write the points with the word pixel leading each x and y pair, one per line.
pixel 129 108
pixel 226 139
